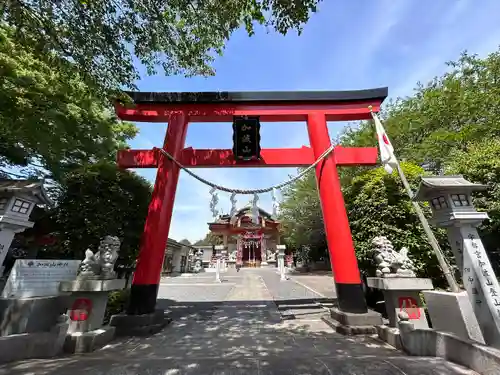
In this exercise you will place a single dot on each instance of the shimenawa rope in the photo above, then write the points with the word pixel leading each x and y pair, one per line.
pixel 249 191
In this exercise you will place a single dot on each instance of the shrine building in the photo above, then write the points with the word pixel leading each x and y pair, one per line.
pixel 248 243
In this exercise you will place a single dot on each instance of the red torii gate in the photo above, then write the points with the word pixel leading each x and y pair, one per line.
pixel 315 108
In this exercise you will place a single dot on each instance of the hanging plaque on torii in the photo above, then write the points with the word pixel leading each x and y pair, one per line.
pixel 246 138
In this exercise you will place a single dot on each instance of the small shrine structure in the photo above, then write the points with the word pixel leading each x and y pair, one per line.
pixel 249 243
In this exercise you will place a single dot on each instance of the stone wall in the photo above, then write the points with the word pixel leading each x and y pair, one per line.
pixel 30 315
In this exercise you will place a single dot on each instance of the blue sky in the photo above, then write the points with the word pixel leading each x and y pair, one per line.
pixel 346 45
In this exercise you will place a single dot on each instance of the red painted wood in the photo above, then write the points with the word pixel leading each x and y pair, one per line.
pixel 271 112
pixel 338 234
pixel 138 158
pixel 345 156
pixel 287 157
pixel 156 228
pixel 177 115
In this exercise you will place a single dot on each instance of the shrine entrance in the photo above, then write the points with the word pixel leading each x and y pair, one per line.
pixel 251 253
pixel 246 110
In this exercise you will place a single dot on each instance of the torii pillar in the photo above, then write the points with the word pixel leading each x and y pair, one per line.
pixel 314 108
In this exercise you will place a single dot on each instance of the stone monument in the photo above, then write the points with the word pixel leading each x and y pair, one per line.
pixel 89 297
pixel 31 324
pixel 398 282
pixel 452 208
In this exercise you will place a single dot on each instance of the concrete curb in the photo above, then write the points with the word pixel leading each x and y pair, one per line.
pixel 348 330
pixel 428 342
pixel 33 345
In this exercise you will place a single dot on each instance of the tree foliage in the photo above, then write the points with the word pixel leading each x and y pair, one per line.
pixel 49 115
pixel 210 239
pixel 302 220
pixel 378 204
pixel 96 201
pixel 481 164
pixel 450 124
pixel 449 113
pixel 102 37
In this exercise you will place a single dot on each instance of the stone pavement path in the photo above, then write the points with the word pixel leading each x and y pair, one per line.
pixel 294 300
pixel 322 284
pixel 235 328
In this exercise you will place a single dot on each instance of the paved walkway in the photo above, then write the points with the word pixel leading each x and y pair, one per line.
pixel 322 284
pixel 236 328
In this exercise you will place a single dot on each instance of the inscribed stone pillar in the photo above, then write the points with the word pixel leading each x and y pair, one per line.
pixel 479 280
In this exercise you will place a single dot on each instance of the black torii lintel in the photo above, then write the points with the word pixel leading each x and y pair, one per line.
pixel 256 97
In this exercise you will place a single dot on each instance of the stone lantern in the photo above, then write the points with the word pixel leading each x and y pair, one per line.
pixel 452 208
pixel 450 200
pixel 281 261
pixel 17 200
pixel 220 261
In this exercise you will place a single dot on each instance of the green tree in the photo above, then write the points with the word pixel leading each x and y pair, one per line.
pixel 481 164
pixel 102 37
pixel 302 220
pixel 185 241
pixel 210 239
pixel 95 201
pixel 49 115
pixel 450 124
pixel 377 204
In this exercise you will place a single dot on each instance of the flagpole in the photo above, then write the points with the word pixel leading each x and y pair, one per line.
pixel 428 231
pixel 430 235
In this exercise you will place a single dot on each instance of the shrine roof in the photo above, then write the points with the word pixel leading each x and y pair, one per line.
pixel 256 97
pixel 177 245
pixel 248 209
pixel 33 187
pixel 226 219
pixel 431 185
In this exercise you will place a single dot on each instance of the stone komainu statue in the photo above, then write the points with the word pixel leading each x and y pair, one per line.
pixel 101 264
pixel 391 263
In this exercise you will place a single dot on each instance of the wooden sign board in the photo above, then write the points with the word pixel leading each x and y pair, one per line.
pixel 246 138
pixel 39 278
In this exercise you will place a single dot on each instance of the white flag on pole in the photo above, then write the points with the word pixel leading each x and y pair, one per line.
pixel 387 156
